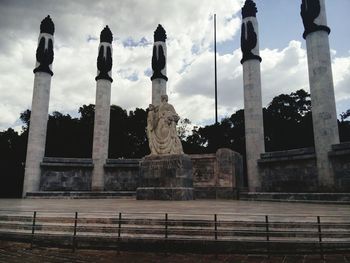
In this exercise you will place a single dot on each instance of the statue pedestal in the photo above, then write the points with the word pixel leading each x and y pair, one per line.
pixel 165 177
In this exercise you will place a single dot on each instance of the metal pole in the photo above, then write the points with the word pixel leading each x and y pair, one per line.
pixel 216 79
pixel 267 235
pixel 216 226
pixel 320 236
pixel 166 225
pixel 75 230
pixel 33 230
pixel 119 224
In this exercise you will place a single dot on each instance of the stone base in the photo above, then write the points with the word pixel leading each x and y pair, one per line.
pixel 216 193
pixel 165 177
pixel 164 193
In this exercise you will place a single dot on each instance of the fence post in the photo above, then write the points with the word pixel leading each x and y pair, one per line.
pixel 166 225
pixel 33 229
pixel 119 225
pixel 320 236
pixel 75 230
pixel 267 234
pixel 216 227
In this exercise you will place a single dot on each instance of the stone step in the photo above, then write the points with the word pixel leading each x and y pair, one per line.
pixel 81 194
pixel 43 219
pixel 97 229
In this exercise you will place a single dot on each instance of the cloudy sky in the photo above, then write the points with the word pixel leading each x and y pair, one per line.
pixel 189 26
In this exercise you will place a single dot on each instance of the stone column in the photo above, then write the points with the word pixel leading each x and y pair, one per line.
pixel 40 107
pixel 324 115
pixel 159 56
pixel 253 116
pixel 102 109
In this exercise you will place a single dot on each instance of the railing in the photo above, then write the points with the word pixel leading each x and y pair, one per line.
pixel 259 233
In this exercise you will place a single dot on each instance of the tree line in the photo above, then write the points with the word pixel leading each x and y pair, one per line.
pixel 287 125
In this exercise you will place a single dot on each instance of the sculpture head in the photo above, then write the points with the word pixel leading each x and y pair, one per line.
pixel 164 98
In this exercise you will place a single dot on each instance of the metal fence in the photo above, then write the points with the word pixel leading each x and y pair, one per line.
pixel 228 232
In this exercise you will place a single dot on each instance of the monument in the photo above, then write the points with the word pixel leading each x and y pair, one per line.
pixel 165 174
pixel 324 114
pixel 253 116
pixel 40 107
pixel 102 109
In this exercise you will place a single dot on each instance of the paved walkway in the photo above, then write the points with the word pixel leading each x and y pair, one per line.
pixel 11 252
pixel 184 207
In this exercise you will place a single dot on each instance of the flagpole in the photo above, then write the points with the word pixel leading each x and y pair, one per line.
pixel 216 81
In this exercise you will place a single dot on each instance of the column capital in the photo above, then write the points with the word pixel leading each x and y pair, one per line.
pixel 159 54
pixel 310 10
pixel 44 51
pixel 104 59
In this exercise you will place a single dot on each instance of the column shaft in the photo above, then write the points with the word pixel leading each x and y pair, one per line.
pixel 158 89
pixel 253 115
pixel 324 114
pixel 253 120
pixel 37 131
pixel 101 132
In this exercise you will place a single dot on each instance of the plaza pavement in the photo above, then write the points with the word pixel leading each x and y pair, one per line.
pixel 184 207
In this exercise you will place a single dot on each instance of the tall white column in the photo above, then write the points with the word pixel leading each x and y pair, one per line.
pixel 324 113
pixel 159 60
pixel 253 116
pixel 102 109
pixel 40 107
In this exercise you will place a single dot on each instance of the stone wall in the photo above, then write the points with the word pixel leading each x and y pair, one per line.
pixel 121 174
pixel 340 159
pixel 218 175
pixel 288 171
pixel 295 171
pixel 66 174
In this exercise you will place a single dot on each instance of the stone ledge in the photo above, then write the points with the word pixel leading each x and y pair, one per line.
pixel 67 160
pixel 203 156
pixel 123 161
pixel 86 165
pixel 340 149
pixel 288 153
pixel 341 146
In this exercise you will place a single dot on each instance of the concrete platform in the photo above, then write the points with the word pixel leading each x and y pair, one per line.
pixel 184 207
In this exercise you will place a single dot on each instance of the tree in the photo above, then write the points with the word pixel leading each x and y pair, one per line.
pixel 288 122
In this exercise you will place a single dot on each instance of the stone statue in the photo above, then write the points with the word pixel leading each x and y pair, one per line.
pixel 161 129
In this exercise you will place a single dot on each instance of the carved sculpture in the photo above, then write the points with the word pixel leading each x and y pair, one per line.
pixel 158 57
pixel 104 59
pixel 248 42
pixel 249 37
pixel 249 9
pixel 161 129
pixel 310 10
pixel 44 51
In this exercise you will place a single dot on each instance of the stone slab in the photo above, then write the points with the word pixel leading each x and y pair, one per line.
pixel 164 193
pixel 215 193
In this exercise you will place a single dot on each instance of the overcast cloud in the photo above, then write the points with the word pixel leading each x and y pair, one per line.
pixel 190 66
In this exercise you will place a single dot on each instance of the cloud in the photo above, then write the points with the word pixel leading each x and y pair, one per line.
pixel 189 26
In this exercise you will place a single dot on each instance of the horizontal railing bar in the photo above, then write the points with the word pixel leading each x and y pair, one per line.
pixel 175 213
